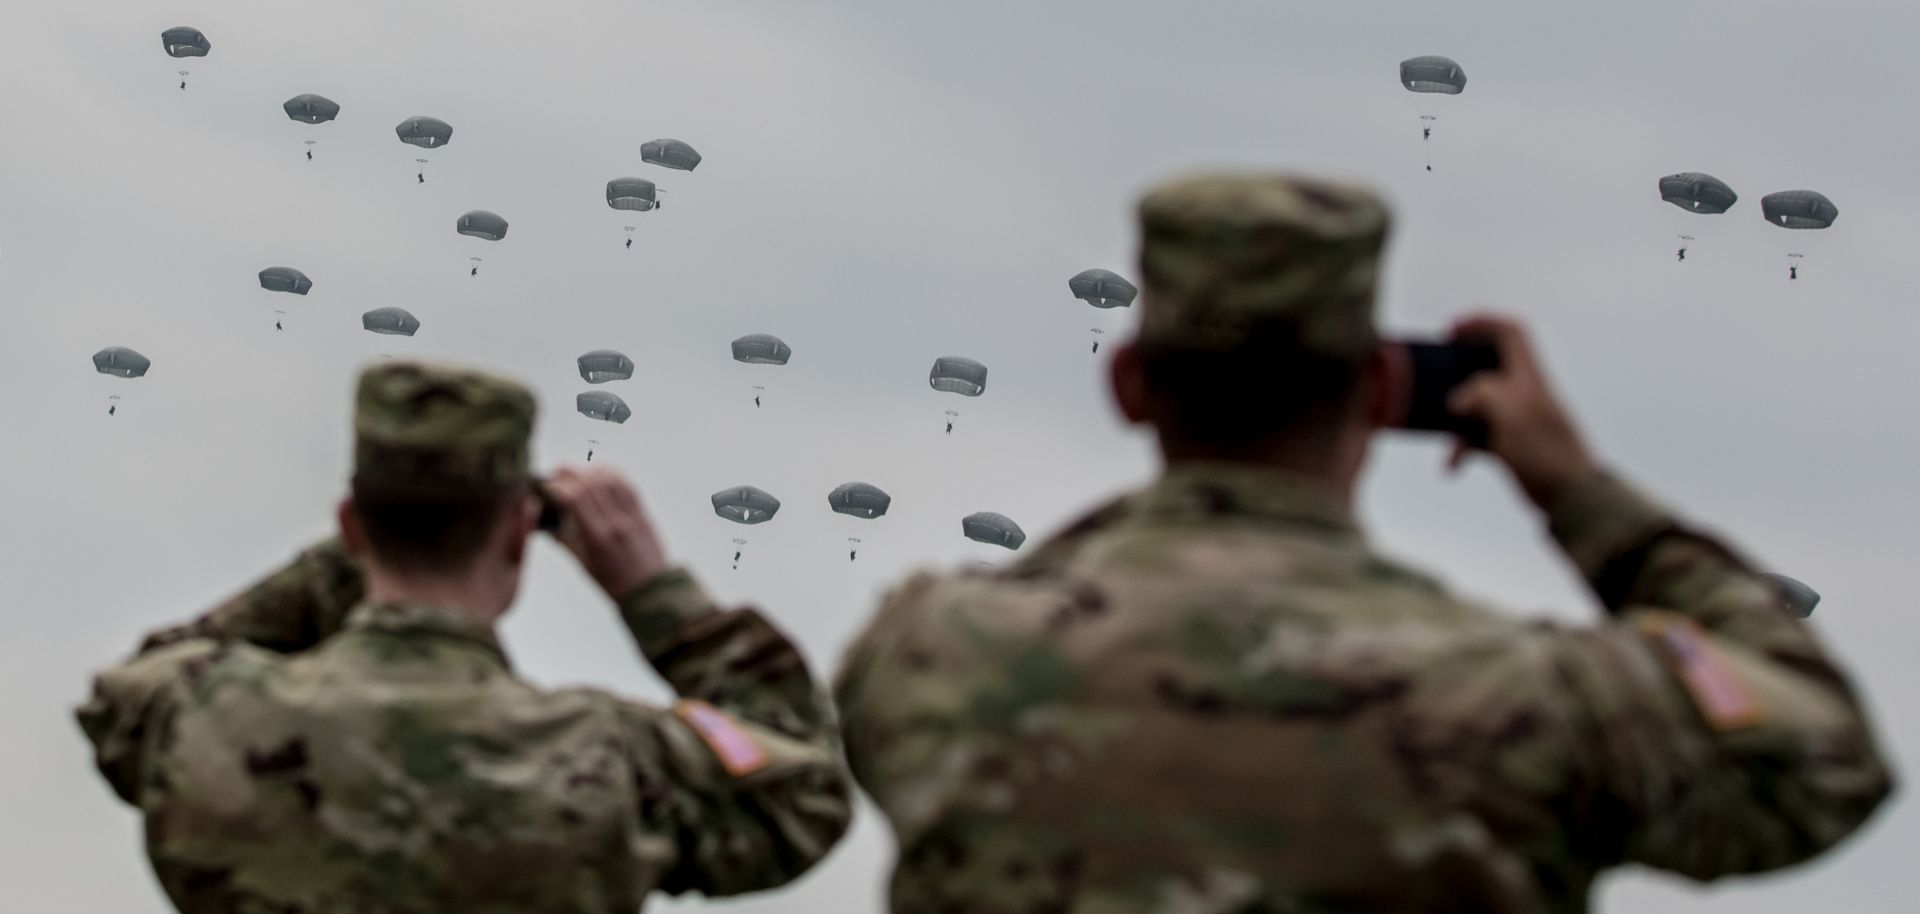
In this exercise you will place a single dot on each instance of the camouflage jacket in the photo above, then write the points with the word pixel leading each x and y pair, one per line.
pixel 1212 697
pixel 298 750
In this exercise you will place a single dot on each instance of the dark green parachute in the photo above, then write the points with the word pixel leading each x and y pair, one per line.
pixel 636 194
pixel 599 404
pixel 745 505
pixel 285 279
pixel 1102 289
pixel 1698 193
pixel 121 362
pixel 858 499
pixel 603 365
pixel 669 153
pixel 425 132
pixel 761 349
pixel 181 41
pixel 390 321
pixel 482 224
pixel 311 109
pixel 1433 74
pixel 956 375
pixel 1799 209
pixel 1798 598
pixel 993 529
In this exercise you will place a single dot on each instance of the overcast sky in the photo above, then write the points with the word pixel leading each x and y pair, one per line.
pixel 885 183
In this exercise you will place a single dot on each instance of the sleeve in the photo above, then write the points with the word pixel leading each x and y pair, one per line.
pixel 1717 734
pixel 290 610
pixel 130 703
pixel 749 756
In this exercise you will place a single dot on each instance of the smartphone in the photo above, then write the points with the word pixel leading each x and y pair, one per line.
pixel 551 514
pixel 1435 371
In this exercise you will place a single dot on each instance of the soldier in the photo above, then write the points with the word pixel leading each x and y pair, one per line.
pixel 347 734
pixel 1213 695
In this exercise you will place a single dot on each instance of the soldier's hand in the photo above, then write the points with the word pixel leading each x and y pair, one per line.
pixel 1527 427
pixel 606 529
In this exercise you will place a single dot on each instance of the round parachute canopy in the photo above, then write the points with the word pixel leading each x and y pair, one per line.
pixel 745 505
pixel 1433 74
pixel 1799 209
pixel 1102 289
pixel 181 41
pixel 599 404
pixel 603 365
pixel 121 362
pixel 761 349
pixel 285 279
pixel 312 109
pixel 1800 599
pixel 670 154
pixel 482 224
pixel 637 194
pixel 993 529
pixel 956 375
pixel 390 321
pixel 1697 193
pixel 429 132
pixel 858 499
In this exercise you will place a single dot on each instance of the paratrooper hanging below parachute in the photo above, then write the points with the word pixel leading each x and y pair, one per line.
pixel 181 42
pixel 426 133
pixel 120 362
pixel 1431 75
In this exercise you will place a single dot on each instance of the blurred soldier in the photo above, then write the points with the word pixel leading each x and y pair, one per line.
pixel 1212 695
pixel 347 735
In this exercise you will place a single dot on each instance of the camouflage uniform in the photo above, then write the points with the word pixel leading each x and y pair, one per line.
pixel 300 750
pixel 1212 695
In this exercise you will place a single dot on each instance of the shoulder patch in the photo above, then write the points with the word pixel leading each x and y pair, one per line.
pixel 737 750
pixel 1723 697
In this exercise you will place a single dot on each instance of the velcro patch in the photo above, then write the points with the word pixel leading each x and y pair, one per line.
pixel 737 750
pixel 1724 699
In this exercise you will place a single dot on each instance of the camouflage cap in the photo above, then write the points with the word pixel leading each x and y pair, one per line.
pixel 1231 261
pixel 418 424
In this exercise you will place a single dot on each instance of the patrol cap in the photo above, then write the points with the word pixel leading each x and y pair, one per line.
pixel 1233 261
pixel 440 427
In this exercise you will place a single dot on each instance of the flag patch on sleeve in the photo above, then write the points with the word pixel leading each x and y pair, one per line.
pixel 737 750
pixel 1723 697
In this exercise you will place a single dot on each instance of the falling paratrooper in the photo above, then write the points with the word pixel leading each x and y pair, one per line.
pixel 311 109
pixel 120 362
pixel 484 225
pixel 955 375
pixel 1432 75
pixel 1698 193
pixel 861 500
pixel 426 133
pixel 182 42
pixel 744 505
pixel 1799 210
pixel 761 349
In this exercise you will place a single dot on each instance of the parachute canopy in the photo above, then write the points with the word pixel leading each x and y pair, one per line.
pixel 637 194
pixel 1800 598
pixel 482 224
pixel 181 41
pixel 599 404
pixel 859 499
pixel 285 279
pixel 1697 193
pixel 993 529
pixel 121 362
pixel 603 365
pixel 1433 74
pixel 1102 289
pixel 956 375
pixel 761 349
pixel 428 132
pixel 312 109
pixel 670 154
pixel 1799 209
pixel 745 505
pixel 391 321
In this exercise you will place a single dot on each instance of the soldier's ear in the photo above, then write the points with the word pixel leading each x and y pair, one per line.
pixel 1128 377
pixel 351 535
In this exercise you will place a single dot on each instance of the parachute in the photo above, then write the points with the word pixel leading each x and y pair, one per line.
pixel 636 194
pixel 858 499
pixel 1102 289
pixel 285 279
pixel 953 374
pixel 181 41
pixel 1799 598
pixel 390 321
pixel 311 109
pixel 993 529
pixel 1697 193
pixel 482 224
pixel 745 505
pixel 599 404
pixel 675 154
pixel 1799 209
pixel 761 349
pixel 1433 74
pixel 426 132
pixel 121 362
pixel 603 365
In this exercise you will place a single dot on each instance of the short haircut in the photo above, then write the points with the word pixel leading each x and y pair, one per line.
pixel 1250 397
pixel 430 530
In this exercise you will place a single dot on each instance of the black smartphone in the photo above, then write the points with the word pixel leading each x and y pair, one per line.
pixel 551 514
pixel 1435 371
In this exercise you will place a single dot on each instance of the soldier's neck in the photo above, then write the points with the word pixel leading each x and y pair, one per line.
pixel 470 594
pixel 1337 470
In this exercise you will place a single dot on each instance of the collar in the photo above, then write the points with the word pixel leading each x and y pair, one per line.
pixel 413 620
pixel 1214 489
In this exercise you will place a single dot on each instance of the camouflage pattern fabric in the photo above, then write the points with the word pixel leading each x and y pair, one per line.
pixel 1212 696
pixel 419 424
pixel 294 752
